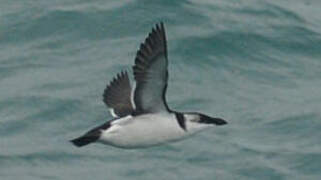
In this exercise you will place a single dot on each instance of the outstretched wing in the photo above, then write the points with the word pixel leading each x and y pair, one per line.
pixel 117 95
pixel 150 71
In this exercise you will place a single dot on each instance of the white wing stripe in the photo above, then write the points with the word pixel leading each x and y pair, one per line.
pixel 132 93
pixel 112 112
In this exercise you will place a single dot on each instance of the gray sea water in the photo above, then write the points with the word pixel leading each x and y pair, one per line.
pixel 255 63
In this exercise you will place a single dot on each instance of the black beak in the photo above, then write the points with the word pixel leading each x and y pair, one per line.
pixel 209 120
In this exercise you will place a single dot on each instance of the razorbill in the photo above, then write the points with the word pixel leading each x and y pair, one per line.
pixel 142 116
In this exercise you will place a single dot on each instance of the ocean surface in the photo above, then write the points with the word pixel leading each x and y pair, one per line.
pixel 255 63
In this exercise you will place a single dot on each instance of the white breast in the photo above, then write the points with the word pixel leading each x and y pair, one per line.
pixel 144 130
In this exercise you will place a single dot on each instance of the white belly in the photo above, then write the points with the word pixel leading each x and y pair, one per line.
pixel 142 131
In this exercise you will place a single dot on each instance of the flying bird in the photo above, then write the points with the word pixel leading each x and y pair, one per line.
pixel 142 117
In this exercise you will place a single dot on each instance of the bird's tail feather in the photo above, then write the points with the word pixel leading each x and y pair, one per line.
pixel 84 140
pixel 91 136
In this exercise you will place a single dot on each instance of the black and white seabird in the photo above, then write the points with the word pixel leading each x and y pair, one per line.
pixel 142 116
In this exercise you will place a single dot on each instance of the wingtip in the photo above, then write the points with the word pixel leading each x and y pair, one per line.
pixel 159 26
pixel 123 73
pixel 162 24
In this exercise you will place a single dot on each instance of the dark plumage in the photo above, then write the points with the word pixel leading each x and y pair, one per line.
pixel 150 71
pixel 117 95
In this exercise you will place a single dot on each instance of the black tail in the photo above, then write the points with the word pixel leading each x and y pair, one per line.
pixel 91 136
pixel 84 140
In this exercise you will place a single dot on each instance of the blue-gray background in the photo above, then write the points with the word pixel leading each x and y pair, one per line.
pixel 255 63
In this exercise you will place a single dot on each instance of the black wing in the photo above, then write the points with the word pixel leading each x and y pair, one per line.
pixel 150 71
pixel 117 95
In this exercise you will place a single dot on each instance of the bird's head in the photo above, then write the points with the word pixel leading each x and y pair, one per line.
pixel 197 121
